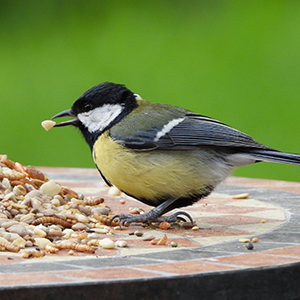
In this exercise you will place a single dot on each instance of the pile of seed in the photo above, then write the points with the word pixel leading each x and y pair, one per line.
pixel 38 212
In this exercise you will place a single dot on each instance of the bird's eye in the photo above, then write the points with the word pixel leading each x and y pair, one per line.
pixel 87 107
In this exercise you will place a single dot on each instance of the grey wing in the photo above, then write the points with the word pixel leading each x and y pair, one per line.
pixel 191 130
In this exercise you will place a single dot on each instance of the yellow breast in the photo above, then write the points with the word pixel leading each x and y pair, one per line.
pixel 153 174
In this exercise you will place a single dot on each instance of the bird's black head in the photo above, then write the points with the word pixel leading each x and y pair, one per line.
pixel 98 109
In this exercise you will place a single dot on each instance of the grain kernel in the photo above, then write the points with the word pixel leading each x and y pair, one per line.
pixel 138 233
pixel 113 191
pixel 244 240
pixel 148 237
pixel 121 244
pixel 241 196
pixel 6 204
pixel 174 244
pixel 249 246
pixel 48 124
pixel 107 243
pixel 163 240
pixel 164 225
pixel 26 254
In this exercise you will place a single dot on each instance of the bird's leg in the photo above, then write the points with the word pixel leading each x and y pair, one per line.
pixel 154 215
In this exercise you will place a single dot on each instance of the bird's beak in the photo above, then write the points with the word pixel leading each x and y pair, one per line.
pixel 66 113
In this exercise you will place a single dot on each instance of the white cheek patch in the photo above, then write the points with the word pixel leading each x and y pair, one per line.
pixel 167 128
pixel 99 118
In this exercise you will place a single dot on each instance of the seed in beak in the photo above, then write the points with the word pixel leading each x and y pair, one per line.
pixel 48 124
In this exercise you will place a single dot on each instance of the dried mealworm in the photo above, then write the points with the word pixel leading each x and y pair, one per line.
pixel 76 246
pixel 93 201
pixel 29 254
pixel 69 192
pixel 38 254
pixel 105 220
pixel 9 247
pixel 52 220
pixel 51 249
pixel 93 242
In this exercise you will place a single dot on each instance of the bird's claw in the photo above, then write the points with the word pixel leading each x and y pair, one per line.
pixel 150 217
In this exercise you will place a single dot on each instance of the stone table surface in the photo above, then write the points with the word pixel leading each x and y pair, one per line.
pixel 209 263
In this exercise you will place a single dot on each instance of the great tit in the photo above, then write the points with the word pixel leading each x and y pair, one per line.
pixel 162 155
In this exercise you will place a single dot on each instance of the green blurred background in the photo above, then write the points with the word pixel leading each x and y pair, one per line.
pixel 236 61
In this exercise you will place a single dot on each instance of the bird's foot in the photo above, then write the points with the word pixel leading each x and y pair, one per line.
pixel 150 217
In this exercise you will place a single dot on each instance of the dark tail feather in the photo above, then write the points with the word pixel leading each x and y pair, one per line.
pixel 275 156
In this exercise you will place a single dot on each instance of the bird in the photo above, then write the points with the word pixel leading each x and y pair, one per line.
pixel 162 155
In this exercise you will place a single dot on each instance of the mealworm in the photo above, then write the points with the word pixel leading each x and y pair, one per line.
pixel 9 247
pixel 105 220
pixel 29 254
pixel 69 192
pixel 93 201
pixel 51 249
pixel 76 246
pixel 52 220
pixel 94 242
